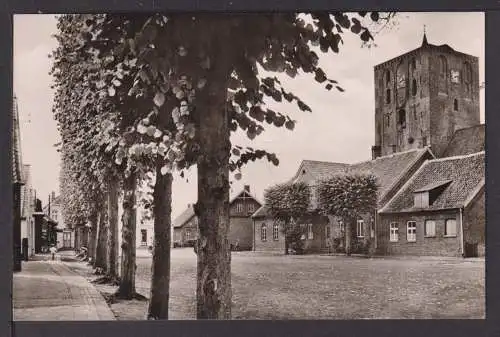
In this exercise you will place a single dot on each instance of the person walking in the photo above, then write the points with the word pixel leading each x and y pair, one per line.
pixel 53 251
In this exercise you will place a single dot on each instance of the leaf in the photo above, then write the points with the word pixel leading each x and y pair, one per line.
pixel 339 88
pixel 374 16
pixel 141 129
pixel 159 99
pixel 329 86
pixel 111 91
pixel 290 125
pixel 116 83
pixel 366 36
pixel 356 28
pixel 165 169
pixel 157 133
pixel 236 152
pixel 237 176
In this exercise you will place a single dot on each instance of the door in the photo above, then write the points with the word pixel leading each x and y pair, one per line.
pixel 66 239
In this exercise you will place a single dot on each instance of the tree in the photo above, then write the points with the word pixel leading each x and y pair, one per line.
pixel 206 67
pixel 287 203
pixel 348 196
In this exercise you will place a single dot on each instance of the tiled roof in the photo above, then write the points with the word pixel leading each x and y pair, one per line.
pixel 262 212
pixel 26 197
pixel 17 175
pixel 249 195
pixel 311 170
pixel 184 217
pixel 466 141
pixel 389 169
pixel 465 172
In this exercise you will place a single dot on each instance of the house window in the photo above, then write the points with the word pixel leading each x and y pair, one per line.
pixel 387 120
pixel 310 234
pixel 328 232
pixel 424 141
pixel 394 232
pixel 414 87
pixel 342 226
pixel 188 235
pixel 387 77
pixel 450 228
pixel 455 104
pixel 263 232
pixel 360 228
pixel 388 96
pixel 239 207
pixel 430 228
pixel 276 232
pixel 251 207
pixel 144 237
pixel 411 231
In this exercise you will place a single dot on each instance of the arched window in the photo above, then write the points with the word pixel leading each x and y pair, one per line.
pixel 455 104
pixel 443 70
pixel 402 118
pixel 388 96
pixel 413 65
pixel 387 77
pixel 414 87
pixel 467 77
pixel 276 232
pixel 263 232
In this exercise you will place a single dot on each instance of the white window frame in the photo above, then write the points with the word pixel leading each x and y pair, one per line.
pixel 276 232
pixel 360 228
pixel 393 232
pixel 239 207
pixel 310 234
pixel 446 234
pixel 187 234
pixel 263 232
pixel 144 243
pixel 411 232
pixel 342 226
pixel 431 234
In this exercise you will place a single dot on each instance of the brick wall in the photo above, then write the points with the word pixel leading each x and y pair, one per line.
pixel 241 230
pixel 474 223
pixel 269 244
pixel 438 245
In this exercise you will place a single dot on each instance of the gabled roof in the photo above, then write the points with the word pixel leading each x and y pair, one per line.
pixel 466 141
pixel 467 178
pixel 17 174
pixel 184 217
pixel 262 212
pixel 312 170
pixel 244 193
pixel 390 169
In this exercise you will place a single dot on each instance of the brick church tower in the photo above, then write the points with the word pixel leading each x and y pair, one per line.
pixel 422 97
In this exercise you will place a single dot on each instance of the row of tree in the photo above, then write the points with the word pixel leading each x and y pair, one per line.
pixel 139 97
pixel 345 196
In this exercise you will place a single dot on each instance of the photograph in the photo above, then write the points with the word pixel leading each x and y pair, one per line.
pixel 248 166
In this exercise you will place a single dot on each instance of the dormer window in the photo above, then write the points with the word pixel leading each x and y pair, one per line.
pixel 425 196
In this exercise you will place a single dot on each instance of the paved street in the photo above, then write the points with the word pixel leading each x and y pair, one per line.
pixel 48 290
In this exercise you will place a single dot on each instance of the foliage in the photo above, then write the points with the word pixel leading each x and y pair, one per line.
pixel 288 201
pixel 295 236
pixel 348 195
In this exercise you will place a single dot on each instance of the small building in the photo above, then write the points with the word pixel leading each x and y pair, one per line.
pixel 323 233
pixel 68 237
pixel 439 211
pixel 242 206
pixel 27 210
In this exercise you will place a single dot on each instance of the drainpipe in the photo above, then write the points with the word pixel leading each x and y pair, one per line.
pixel 462 231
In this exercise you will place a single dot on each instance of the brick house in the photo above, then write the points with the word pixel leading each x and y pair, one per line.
pixel 242 206
pixel 392 171
pixel 439 211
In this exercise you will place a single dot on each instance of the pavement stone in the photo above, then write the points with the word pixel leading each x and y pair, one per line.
pixel 47 290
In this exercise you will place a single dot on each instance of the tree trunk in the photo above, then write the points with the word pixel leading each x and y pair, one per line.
pixel 213 290
pixel 126 288
pixel 160 279
pixel 102 240
pixel 348 236
pixel 93 237
pixel 112 241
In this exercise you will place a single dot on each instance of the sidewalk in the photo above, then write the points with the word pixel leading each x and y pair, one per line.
pixel 48 290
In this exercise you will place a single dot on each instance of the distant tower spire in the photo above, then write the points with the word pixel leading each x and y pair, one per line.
pixel 424 41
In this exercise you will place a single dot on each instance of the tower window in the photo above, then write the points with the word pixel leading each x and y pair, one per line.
pixel 414 87
pixel 443 70
pixel 402 118
pixel 413 65
pixel 455 104
pixel 387 77
pixel 388 96
pixel 467 77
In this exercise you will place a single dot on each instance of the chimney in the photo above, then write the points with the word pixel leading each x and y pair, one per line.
pixel 247 188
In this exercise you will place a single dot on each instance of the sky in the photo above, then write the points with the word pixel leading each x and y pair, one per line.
pixel 340 128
